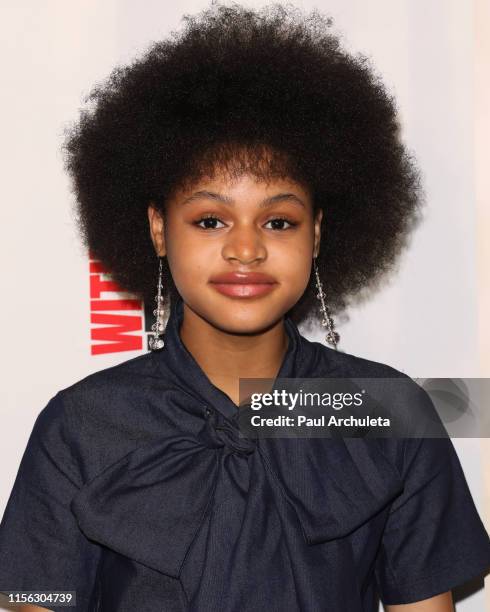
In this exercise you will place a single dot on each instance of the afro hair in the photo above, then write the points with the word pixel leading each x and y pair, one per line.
pixel 237 80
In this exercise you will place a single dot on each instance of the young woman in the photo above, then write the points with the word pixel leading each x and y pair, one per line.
pixel 248 172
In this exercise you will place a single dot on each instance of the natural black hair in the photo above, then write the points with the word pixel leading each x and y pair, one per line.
pixel 234 85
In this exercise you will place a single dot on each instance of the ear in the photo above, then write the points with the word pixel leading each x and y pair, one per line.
pixel 317 230
pixel 157 229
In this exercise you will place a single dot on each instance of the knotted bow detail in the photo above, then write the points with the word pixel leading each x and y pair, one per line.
pixel 151 504
pixel 219 432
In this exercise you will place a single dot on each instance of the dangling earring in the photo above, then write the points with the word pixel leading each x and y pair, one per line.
pixel 158 327
pixel 332 336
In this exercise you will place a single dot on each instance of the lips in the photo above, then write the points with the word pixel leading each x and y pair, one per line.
pixel 243 284
pixel 243 278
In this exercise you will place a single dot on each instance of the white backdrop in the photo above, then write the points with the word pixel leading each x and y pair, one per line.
pixel 428 322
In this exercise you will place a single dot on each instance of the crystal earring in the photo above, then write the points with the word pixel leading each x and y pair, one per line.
pixel 332 336
pixel 156 342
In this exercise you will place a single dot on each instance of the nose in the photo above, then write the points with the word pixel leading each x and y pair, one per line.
pixel 245 244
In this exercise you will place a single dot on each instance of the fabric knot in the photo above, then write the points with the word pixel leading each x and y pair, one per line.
pixel 218 432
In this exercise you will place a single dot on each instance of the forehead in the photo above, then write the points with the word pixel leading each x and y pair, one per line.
pixel 240 168
pixel 223 186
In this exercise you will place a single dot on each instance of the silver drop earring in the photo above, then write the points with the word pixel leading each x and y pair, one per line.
pixel 156 342
pixel 332 336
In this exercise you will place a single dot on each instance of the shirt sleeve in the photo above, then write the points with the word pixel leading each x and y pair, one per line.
pixel 434 539
pixel 41 545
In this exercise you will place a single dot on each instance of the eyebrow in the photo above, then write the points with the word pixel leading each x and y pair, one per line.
pixel 211 195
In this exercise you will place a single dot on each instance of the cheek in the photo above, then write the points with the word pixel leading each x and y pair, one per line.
pixel 297 269
pixel 294 257
pixel 187 256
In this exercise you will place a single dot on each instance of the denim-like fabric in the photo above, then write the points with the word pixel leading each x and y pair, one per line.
pixel 136 492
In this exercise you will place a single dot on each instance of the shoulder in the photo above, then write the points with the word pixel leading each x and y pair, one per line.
pixel 120 390
pixel 120 394
pixel 106 414
pixel 125 376
pixel 390 384
pixel 109 389
pixel 391 393
pixel 337 362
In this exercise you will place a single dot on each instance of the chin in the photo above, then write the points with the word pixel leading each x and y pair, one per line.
pixel 240 315
pixel 241 327
pixel 246 316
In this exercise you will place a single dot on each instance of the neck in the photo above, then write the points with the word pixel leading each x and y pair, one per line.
pixel 226 357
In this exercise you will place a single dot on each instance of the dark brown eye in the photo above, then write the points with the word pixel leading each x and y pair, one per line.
pixel 209 222
pixel 278 223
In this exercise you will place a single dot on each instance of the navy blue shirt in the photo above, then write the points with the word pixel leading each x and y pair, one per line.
pixel 136 491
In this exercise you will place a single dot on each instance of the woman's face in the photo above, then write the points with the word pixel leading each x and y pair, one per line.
pixel 220 227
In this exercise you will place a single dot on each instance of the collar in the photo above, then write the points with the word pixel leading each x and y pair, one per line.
pixel 299 361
